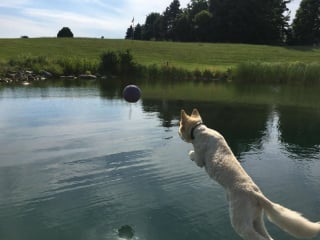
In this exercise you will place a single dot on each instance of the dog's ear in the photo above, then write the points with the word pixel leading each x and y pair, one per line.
pixel 195 113
pixel 183 116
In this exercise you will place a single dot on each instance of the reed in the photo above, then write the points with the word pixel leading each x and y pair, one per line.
pixel 278 72
pixel 76 66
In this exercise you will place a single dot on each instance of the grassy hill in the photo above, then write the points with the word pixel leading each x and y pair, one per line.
pixel 186 55
pixel 253 63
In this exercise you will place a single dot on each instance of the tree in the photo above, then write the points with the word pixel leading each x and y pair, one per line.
pixel 65 32
pixel 238 21
pixel 152 28
pixel 138 32
pixel 170 17
pixel 195 22
pixel 278 26
pixel 249 21
pixel 202 20
pixel 129 33
pixel 184 28
pixel 196 6
pixel 306 25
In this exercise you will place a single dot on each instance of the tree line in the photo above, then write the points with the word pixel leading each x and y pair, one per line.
pixel 232 21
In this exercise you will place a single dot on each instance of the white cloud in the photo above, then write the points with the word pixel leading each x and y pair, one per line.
pixel 43 22
pixel 111 7
pixel 69 17
pixel 13 3
pixel 79 23
pixel 13 27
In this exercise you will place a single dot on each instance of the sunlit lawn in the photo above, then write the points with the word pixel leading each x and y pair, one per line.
pixel 186 55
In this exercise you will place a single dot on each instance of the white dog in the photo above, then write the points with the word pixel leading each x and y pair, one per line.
pixel 246 201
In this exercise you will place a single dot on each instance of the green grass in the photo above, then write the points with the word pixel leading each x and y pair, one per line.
pixel 188 56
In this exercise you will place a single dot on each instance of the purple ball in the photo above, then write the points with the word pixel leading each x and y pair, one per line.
pixel 131 93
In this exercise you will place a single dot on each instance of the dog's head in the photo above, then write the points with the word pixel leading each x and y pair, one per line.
pixel 188 123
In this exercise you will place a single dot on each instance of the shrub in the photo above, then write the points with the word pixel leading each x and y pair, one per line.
pixel 65 32
pixel 118 63
pixel 208 75
pixel 197 74
pixel 126 62
pixel 109 63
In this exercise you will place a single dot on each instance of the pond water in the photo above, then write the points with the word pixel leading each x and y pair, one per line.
pixel 78 162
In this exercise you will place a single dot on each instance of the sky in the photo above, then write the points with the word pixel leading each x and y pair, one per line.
pixel 85 18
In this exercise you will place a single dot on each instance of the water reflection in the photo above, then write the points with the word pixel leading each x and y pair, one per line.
pixel 300 131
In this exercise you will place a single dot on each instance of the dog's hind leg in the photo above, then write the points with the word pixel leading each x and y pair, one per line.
pixel 246 219
pixel 251 234
pixel 259 226
pixel 247 228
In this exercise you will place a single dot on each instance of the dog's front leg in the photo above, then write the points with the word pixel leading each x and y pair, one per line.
pixel 194 157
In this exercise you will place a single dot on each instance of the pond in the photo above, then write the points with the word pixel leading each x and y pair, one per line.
pixel 78 162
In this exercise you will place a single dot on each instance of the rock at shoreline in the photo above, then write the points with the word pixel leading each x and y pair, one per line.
pixel 30 76
pixel 87 77
pixel 26 76
pixel 69 77
pixel 46 74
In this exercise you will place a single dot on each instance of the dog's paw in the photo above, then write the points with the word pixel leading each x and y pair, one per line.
pixel 199 163
pixel 192 155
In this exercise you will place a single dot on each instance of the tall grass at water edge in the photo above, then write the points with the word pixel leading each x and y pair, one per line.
pixel 57 66
pixel 266 72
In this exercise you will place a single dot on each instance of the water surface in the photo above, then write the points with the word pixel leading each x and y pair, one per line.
pixel 78 162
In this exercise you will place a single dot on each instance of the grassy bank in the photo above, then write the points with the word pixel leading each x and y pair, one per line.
pixel 81 54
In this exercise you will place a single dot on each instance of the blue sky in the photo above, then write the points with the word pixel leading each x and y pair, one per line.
pixel 86 18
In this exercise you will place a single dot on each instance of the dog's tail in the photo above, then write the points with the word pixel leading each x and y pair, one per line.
pixel 288 220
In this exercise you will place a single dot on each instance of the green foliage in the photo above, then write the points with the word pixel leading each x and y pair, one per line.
pixel 28 61
pixel 172 73
pixel 152 26
pixel 57 66
pixel 202 21
pixel 117 63
pixel 129 33
pixel 249 21
pixel 109 63
pixel 126 63
pixel 76 66
pixel 138 32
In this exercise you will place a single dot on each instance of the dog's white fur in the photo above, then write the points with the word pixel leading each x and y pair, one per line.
pixel 247 203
